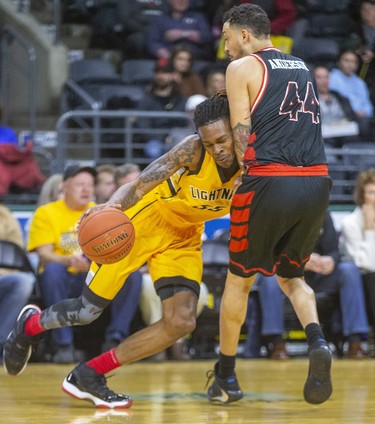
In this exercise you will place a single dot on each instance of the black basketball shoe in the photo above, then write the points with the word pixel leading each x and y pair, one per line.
pixel 85 383
pixel 318 386
pixel 223 390
pixel 19 346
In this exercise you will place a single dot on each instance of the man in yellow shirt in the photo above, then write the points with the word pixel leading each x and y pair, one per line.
pixel 53 236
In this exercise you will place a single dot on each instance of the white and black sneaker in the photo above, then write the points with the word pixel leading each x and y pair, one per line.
pixel 19 346
pixel 223 390
pixel 86 384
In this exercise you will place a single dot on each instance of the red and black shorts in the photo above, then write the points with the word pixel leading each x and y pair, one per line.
pixel 275 223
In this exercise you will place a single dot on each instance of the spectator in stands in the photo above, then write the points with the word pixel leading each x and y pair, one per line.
pixel 336 112
pixel 207 7
pixel 326 273
pixel 188 81
pixel 162 97
pixel 18 168
pixel 215 82
pixel 346 82
pixel 105 182
pixel 358 235
pixel 362 41
pixel 106 28
pixel 180 26
pixel 135 16
pixel 53 236
pixel 51 189
pixel 15 286
pixel 126 173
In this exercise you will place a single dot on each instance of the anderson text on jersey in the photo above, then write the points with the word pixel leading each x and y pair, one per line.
pixel 287 64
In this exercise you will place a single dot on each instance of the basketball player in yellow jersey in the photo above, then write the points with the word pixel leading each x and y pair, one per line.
pixel 168 204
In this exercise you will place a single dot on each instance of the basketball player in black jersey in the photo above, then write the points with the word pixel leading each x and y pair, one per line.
pixel 278 209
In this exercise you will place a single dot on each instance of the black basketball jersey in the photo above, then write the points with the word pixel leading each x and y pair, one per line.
pixel 286 123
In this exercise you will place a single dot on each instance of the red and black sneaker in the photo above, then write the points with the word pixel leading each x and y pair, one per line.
pixel 19 346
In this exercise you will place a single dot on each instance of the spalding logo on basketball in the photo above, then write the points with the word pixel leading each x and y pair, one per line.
pixel 106 236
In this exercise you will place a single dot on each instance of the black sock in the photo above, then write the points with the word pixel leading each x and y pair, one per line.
pixel 314 333
pixel 226 365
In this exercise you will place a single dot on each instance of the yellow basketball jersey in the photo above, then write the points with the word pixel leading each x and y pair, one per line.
pixel 196 197
pixel 168 223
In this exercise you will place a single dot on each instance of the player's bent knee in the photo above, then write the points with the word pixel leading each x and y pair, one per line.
pixel 180 326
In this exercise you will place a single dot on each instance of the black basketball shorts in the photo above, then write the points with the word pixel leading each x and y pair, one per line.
pixel 275 223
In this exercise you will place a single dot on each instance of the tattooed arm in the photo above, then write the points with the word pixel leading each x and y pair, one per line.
pixel 186 154
pixel 243 81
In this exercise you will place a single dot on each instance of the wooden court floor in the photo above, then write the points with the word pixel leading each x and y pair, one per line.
pixel 173 393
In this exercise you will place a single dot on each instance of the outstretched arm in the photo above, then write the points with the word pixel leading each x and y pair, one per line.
pixel 185 154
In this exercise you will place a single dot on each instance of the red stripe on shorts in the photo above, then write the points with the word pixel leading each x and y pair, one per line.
pixel 252 270
pixel 239 218
pixel 238 245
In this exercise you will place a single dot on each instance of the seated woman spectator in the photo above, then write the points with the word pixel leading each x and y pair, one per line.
pixel 358 235
pixel 338 118
pixel 188 82
pixel 344 80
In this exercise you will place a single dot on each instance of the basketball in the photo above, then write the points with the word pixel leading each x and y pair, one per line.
pixel 106 236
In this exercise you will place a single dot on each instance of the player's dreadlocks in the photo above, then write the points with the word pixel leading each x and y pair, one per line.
pixel 212 109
